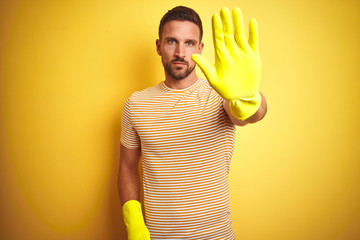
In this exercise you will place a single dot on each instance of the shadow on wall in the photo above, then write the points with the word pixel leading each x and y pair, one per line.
pixel 143 65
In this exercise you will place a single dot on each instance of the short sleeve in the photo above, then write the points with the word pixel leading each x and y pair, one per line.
pixel 129 137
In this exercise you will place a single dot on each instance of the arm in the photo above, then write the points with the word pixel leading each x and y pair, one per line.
pixel 129 191
pixel 128 178
pixel 260 114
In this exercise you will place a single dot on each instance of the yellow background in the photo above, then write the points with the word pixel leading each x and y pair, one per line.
pixel 66 68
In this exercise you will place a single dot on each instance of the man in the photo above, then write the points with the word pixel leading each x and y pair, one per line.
pixel 184 129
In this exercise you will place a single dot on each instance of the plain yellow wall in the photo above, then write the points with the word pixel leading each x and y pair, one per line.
pixel 66 68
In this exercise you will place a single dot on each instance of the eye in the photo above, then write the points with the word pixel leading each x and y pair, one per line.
pixel 190 44
pixel 171 41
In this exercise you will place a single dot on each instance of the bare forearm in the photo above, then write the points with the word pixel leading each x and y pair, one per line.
pixel 128 184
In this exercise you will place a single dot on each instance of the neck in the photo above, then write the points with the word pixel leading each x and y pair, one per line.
pixel 183 83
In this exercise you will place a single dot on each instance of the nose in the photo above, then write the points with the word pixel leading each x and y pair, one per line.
pixel 180 50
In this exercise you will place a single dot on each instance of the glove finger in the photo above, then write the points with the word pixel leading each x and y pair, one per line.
pixel 239 30
pixel 254 35
pixel 228 30
pixel 207 68
pixel 218 37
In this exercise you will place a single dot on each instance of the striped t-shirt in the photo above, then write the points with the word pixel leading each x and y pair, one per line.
pixel 187 141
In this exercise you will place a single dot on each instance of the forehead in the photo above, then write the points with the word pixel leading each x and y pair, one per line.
pixel 181 30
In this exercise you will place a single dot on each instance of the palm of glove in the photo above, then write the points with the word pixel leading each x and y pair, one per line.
pixel 237 70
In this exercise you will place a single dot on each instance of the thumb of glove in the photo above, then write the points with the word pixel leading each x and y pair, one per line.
pixel 207 68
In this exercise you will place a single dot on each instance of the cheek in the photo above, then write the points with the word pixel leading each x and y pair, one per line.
pixel 167 52
pixel 192 51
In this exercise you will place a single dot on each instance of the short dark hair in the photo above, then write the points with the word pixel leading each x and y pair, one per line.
pixel 181 13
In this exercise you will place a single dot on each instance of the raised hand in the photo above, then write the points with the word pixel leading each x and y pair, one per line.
pixel 237 70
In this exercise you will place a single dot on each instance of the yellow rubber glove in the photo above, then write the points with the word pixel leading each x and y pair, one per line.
pixel 237 70
pixel 134 221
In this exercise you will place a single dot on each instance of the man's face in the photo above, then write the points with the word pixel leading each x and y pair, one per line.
pixel 179 40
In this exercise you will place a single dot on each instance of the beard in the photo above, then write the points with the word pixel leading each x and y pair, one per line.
pixel 178 73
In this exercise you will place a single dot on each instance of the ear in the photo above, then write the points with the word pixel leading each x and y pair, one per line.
pixel 158 46
pixel 201 46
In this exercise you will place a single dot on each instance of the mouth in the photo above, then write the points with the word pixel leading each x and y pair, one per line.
pixel 179 63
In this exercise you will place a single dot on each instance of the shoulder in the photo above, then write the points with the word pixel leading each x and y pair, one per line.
pixel 143 95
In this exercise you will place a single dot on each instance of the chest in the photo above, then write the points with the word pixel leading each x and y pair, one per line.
pixel 178 120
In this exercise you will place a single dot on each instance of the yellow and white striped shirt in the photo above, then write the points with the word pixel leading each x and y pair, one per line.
pixel 187 141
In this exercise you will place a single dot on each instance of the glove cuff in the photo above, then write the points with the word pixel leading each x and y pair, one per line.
pixel 255 98
pixel 245 107
pixel 132 213
pixel 134 221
